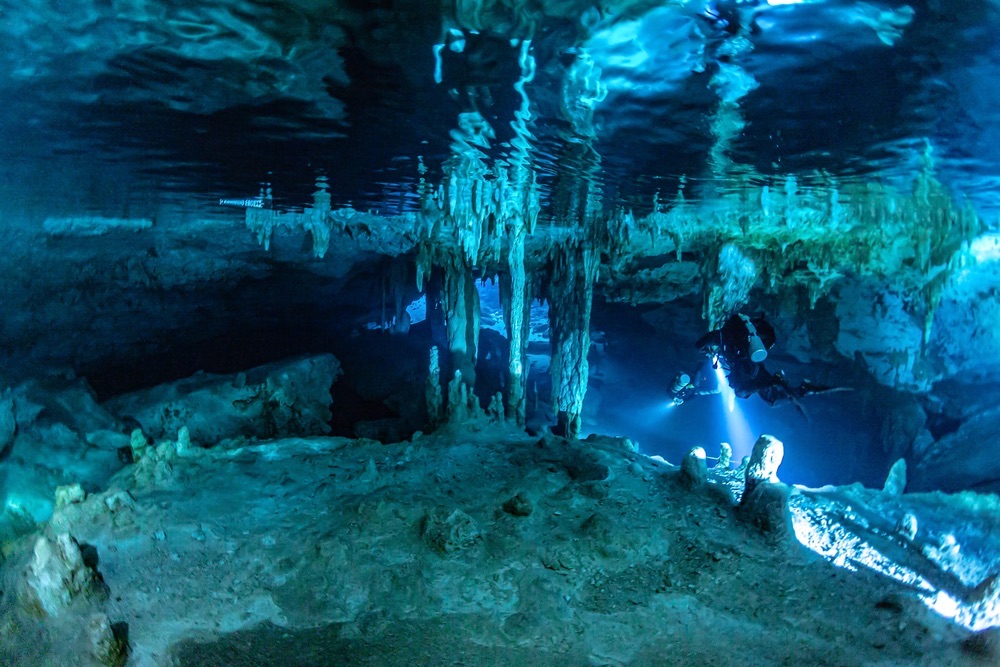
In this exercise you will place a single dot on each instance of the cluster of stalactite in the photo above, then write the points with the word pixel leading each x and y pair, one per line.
pixel 810 237
pixel 728 275
pixel 476 222
pixel 473 207
pixel 480 222
pixel 565 277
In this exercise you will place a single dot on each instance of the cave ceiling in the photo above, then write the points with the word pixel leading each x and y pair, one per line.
pixel 210 99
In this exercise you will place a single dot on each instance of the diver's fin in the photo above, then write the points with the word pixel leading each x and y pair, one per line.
pixel 798 406
pixel 807 388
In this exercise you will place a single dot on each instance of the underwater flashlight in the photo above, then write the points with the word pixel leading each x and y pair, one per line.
pixel 755 346
pixel 757 351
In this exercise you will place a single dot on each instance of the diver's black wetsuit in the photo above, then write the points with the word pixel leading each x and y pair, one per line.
pixel 732 340
pixel 731 345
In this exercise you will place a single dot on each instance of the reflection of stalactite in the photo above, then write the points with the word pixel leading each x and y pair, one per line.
pixel 576 189
pixel 576 193
pixel 570 295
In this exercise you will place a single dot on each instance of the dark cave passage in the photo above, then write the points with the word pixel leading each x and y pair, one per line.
pixel 635 354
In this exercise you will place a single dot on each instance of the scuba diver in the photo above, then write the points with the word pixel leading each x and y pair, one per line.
pixel 740 340
pixel 684 387
pixel 741 346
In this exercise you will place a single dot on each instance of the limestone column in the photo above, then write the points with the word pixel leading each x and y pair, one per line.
pixel 516 308
pixel 571 292
pixel 432 391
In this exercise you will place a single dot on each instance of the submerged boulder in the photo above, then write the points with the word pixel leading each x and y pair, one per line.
pixel 289 398
pixel 963 459
pixel 53 433
pixel 451 532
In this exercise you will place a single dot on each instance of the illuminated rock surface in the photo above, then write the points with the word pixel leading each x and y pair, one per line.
pixel 293 551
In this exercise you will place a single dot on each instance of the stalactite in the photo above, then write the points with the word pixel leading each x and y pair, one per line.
pixel 932 299
pixel 461 311
pixel 791 203
pixel 398 273
pixel 424 264
pixel 571 291
pixel 728 277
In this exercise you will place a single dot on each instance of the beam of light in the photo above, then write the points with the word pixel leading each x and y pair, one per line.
pixel 824 532
pixel 638 417
pixel 650 413
pixel 737 427
pixel 727 393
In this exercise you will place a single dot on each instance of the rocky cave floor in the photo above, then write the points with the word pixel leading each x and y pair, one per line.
pixel 473 545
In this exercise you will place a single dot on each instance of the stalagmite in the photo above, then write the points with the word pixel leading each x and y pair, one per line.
pixel 765 502
pixel 495 411
pixel 694 471
pixel 57 574
pixel 725 456
pixel 765 459
pixel 70 494
pixel 462 403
